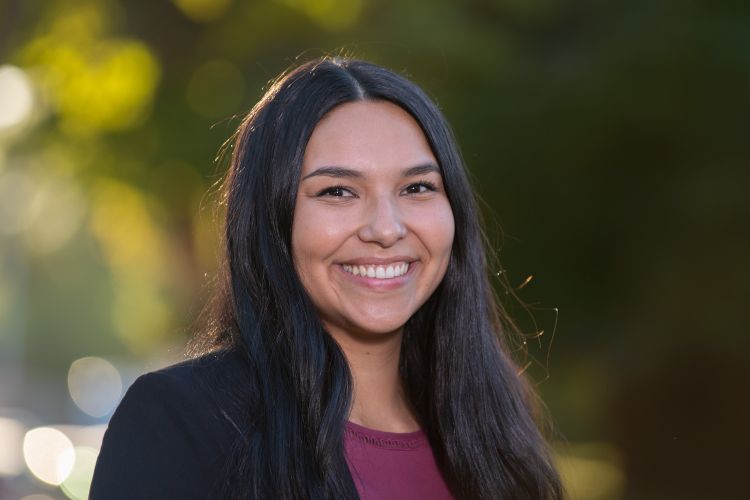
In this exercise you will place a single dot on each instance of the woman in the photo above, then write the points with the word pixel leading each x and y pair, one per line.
pixel 356 346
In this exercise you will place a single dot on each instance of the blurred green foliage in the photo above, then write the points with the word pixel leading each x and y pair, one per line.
pixel 608 138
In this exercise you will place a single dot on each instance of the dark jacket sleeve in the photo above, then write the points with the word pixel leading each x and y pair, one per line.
pixel 163 441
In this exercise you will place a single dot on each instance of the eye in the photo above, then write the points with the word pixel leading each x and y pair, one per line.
pixel 335 192
pixel 420 187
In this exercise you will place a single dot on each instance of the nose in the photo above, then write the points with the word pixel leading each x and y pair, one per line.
pixel 382 223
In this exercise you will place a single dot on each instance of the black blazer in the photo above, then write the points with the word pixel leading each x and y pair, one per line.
pixel 172 432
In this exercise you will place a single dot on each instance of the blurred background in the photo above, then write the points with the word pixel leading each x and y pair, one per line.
pixel 608 140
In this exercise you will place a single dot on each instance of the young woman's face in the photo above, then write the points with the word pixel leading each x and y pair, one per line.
pixel 373 228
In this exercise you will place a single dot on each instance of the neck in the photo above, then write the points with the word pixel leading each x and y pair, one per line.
pixel 379 400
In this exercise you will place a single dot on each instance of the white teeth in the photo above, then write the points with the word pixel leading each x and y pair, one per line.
pixel 378 272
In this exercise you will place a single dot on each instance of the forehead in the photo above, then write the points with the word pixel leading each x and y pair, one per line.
pixel 367 135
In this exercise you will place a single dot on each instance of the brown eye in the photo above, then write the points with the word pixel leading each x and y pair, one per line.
pixel 420 187
pixel 336 192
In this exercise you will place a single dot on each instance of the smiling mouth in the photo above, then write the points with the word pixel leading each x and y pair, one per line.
pixel 381 272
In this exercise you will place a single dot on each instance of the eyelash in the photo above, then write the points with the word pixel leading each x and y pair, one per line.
pixel 427 184
pixel 328 191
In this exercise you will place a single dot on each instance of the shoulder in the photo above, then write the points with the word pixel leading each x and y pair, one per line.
pixel 204 379
pixel 193 392
pixel 219 364
pixel 171 431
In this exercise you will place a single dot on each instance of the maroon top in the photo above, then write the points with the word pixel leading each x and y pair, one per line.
pixel 393 466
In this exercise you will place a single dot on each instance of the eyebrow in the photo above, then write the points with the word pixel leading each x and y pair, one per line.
pixel 344 172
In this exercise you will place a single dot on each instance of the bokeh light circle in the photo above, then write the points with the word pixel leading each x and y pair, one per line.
pixel 49 454
pixel 95 385
pixel 16 97
pixel 78 483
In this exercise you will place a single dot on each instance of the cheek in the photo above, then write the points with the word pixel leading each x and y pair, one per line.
pixel 303 244
pixel 441 238
pixel 450 228
pixel 316 234
pixel 440 232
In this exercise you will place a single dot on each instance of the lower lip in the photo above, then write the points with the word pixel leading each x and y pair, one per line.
pixel 379 284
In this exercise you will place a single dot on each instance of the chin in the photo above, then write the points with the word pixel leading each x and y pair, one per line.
pixel 371 321
pixel 376 327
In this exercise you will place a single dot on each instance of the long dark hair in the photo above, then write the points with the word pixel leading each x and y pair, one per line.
pixel 459 377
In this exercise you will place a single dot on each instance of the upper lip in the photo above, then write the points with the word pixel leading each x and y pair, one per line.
pixel 378 261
